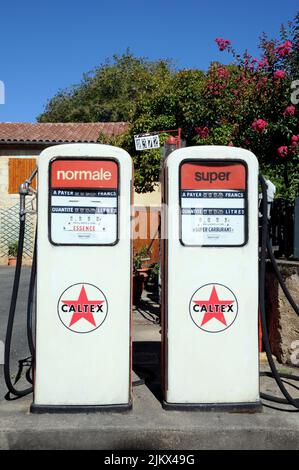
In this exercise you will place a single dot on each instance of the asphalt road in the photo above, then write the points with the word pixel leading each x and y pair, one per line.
pixel 19 341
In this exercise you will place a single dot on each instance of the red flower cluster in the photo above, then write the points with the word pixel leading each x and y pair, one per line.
pixel 279 74
pixel 289 111
pixel 203 132
pixel 222 72
pixel 258 75
pixel 263 63
pixel 259 125
pixel 294 141
pixel 283 151
pixel 216 87
pixel 222 43
pixel 261 83
pixel 284 49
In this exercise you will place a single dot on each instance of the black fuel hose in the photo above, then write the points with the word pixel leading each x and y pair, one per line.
pixel 11 316
pixel 268 397
pixel 289 400
pixel 30 302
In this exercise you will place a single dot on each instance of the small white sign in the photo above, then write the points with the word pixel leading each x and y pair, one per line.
pixel 146 141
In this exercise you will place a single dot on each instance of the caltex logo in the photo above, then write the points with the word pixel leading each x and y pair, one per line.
pixel 82 308
pixel 213 308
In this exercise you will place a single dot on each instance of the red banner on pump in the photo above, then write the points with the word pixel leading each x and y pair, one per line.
pixel 84 174
pixel 201 176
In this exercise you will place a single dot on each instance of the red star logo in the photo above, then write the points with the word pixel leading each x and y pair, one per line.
pixel 83 308
pixel 213 308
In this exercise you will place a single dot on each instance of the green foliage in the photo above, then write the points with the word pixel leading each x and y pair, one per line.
pixel 222 106
pixel 137 263
pixel 221 135
pixel 174 102
pixel 154 273
pixel 109 92
pixel 13 249
pixel 142 255
pixel 147 164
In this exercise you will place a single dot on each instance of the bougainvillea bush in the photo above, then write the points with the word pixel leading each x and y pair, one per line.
pixel 249 104
pixel 245 104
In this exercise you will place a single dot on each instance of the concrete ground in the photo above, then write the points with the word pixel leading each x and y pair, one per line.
pixel 147 426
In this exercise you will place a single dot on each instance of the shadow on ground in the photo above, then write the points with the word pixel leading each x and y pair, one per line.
pixel 147 365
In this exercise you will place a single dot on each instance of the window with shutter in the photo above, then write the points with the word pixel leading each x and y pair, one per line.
pixel 19 169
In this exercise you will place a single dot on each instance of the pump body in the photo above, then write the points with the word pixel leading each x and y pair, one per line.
pixel 83 299
pixel 210 278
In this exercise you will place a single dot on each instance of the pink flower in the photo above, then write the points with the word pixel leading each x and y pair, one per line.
pixel 289 111
pixel 262 63
pixel 279 74
pixel 259 125
pixel 294 141
pixel 222 72
pixel 222 43
pixel 284 48
pixel 283 151
pixel 261 82
pixel 203 132
pixel 215 87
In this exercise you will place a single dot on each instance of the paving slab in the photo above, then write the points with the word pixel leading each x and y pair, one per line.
pixel 147 426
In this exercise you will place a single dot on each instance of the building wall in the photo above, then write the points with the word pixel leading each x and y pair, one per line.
pixel 149 199
pixel 9 205
pixel 6 199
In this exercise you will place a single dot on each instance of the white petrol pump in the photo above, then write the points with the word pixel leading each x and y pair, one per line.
pixel 83 298
pixel 213 277
pixel 210 278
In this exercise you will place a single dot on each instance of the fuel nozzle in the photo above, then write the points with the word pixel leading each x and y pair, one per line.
pixel 25 189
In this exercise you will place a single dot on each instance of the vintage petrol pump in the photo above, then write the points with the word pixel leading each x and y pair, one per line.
pixel 83 295
pixel 210 278
pixel 81 352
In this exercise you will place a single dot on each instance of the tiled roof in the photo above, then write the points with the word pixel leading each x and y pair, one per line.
pixel 26 132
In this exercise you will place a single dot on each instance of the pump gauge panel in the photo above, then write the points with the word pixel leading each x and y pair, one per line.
pixel 213 203
pixel 83 201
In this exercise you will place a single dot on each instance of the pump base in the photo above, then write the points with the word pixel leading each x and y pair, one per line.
pixel 255 407
pixel 80 408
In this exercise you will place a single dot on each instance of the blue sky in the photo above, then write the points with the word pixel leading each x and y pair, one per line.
pixel 47 45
